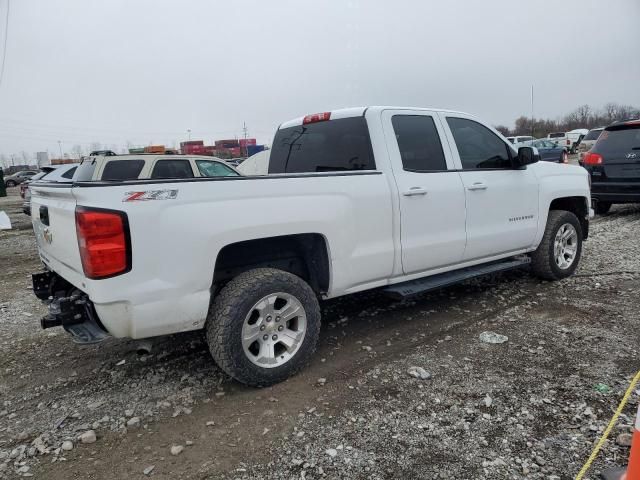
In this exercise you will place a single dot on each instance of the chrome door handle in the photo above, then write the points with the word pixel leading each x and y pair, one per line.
pixel 415 191
pixel 477 186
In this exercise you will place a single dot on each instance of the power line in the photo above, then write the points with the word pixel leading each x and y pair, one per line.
pixel 4 47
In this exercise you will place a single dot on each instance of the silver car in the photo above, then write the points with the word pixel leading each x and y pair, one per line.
pixel 19 177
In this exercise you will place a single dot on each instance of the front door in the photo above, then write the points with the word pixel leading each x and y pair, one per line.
pixel 502 202
pixel 430 192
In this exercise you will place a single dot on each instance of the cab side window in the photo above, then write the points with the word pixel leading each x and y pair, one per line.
pixel 478 147
pixel 172 169
pixel 419 143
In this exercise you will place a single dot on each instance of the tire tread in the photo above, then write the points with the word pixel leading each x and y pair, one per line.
pixel 224 313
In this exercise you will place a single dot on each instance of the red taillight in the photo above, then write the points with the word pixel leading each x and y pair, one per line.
pixel 568 142
pixel 316 117
pixel 592 159
pixel 103 238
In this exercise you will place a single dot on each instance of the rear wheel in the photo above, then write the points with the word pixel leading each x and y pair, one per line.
pixel 263 326
pixel 11 183
pixel 602 207
pixel 559 252
pixel 565 157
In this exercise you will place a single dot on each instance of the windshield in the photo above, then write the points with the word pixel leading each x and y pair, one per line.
pixel 592 135
pixel 207 168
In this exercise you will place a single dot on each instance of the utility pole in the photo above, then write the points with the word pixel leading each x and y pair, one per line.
pixel 189 133
pixel 532 111
pixel 60 146
pixel 246 147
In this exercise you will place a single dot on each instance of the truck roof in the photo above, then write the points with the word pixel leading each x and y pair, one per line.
pixel 360 111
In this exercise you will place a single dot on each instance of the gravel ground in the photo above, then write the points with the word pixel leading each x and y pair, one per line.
pixel 396 390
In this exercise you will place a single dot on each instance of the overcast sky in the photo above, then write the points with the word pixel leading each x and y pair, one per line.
pixel 146 71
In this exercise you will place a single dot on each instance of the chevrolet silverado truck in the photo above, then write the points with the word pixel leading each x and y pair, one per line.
pixel 402 200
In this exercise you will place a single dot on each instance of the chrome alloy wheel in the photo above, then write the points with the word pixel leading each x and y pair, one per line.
pixel 274 330
pixel 565 246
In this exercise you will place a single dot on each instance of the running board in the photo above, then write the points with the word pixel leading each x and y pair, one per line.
pixel 434 282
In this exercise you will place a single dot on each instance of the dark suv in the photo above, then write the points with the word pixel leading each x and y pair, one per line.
pixel 614 165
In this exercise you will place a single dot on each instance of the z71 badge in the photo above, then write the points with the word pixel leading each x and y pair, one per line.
pixel 150 195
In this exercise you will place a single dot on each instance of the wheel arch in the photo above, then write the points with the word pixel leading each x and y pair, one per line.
pixel 577 205
pixel 306 255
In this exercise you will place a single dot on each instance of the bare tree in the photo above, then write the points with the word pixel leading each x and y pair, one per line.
pixel 584 114
pixel 77 150
pixel 501 128
pixel 95 146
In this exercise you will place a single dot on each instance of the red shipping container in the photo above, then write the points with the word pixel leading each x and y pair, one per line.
pixel 193 149
pixel 235 151
pixel 247 141
pixel 227 143
pixel 192 142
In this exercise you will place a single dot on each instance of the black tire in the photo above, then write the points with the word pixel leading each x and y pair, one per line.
pixel 543 261
pixel 10 183
pixel 602 207
pixel 229 310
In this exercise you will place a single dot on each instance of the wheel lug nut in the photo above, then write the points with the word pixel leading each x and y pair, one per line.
pixel 275 337
pixel 277 319
pixel 265 337
pixel 268 318
pixel 262 327
pixel 280 328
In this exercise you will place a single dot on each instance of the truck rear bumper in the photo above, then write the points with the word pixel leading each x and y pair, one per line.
pixel 72 309
pixel 69 308
pixel 616 192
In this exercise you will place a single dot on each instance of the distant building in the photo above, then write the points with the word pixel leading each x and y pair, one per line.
pixel 42 158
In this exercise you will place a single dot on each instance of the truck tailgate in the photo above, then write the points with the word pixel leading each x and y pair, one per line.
pixel 53 217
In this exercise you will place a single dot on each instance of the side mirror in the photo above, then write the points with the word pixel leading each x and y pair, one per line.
pixel 526 156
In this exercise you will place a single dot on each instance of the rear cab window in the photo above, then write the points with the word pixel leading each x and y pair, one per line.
pixel 556 135
pixel 327 146
pixel 118 170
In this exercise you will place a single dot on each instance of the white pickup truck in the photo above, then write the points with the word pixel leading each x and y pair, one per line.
pixel 403 200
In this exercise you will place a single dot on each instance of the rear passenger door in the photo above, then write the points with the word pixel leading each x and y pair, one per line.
pixel 501 201
pixel 430 192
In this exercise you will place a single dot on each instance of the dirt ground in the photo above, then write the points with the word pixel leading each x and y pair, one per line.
pixel 531 407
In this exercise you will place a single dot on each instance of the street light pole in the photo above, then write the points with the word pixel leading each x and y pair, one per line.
pixel 189 132
pixel 60 146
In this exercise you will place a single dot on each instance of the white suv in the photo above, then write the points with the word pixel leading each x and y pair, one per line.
pixel 141 166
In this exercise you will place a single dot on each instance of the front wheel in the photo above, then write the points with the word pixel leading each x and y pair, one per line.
pixel 263 326
pixel 559 252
